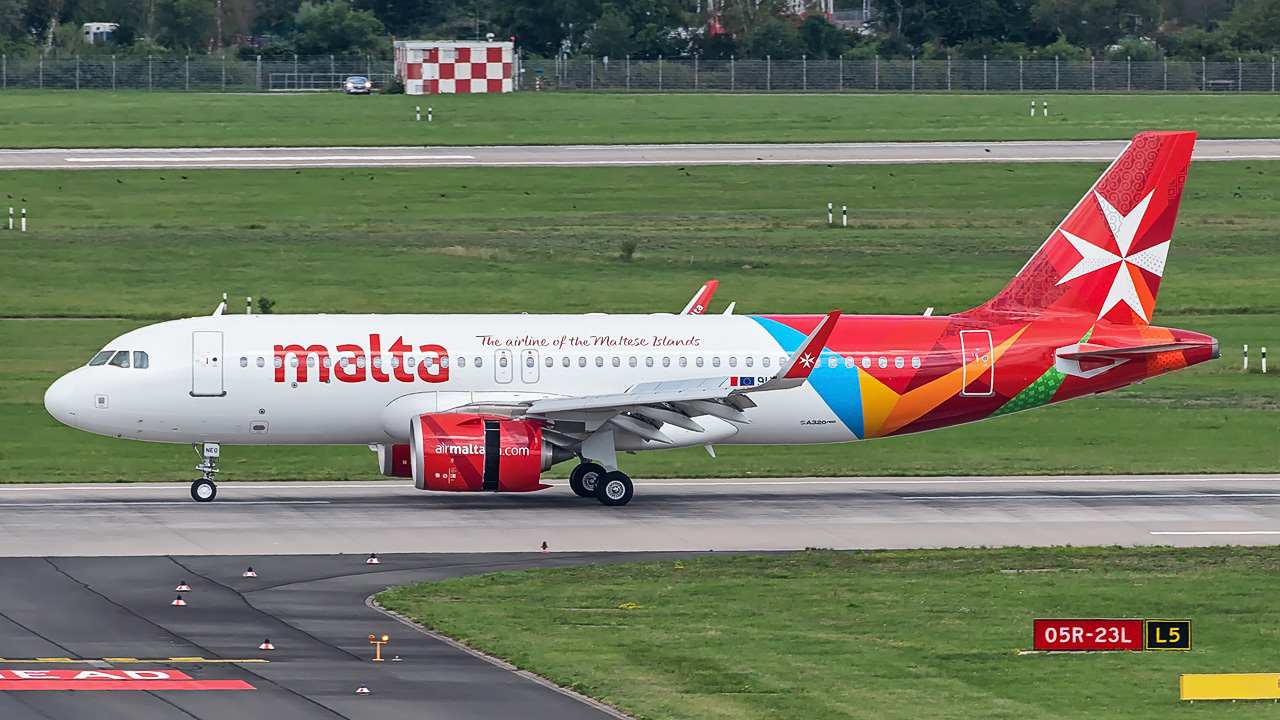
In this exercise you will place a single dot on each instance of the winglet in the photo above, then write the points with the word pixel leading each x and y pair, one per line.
pixel 698 305
pixel 805 359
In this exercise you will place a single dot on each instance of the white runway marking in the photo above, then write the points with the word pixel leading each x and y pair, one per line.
pixel 1216 532
pixel 184 503
pixel 270 158
pixel 1137 496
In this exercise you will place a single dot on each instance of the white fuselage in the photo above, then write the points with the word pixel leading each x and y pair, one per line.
pixel 233 379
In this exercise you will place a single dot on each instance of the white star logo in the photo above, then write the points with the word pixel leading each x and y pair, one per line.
pixel 1094 258
pixel 807 360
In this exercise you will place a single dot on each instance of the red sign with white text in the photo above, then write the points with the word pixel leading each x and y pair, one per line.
pixel 111 680
pixel 1088 635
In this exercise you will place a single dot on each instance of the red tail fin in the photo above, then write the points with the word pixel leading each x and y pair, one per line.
pixel 1108 255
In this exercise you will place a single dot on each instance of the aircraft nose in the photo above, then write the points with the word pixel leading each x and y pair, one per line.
pixel 60 399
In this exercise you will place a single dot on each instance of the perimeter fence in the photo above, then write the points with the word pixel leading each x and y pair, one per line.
pixel 205 73
pixel 201 73
pixel 696 75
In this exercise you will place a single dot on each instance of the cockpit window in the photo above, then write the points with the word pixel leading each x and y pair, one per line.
pixel 121 359
pixel 101 358
pixel 140 360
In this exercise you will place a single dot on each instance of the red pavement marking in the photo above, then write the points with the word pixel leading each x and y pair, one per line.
pixel 111 680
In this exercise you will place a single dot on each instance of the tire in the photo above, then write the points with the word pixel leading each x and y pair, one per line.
pixel 203 490
pixel 584 478
pixel 615 489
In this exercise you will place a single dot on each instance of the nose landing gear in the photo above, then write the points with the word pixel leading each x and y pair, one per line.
pixel 204 489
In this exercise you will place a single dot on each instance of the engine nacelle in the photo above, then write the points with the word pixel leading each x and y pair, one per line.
pixel 473 453
pixel 394 461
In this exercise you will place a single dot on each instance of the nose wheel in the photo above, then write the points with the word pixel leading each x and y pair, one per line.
pixel 204 490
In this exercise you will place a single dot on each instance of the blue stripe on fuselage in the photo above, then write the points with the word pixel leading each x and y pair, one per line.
pixel 838 386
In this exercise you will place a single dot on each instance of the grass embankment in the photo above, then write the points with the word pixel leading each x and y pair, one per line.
pixel 904 634
pixel 141 246
pixel 142 119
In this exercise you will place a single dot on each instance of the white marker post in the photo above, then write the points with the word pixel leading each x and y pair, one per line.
pixel 1246 358
pixel 1044 106
pixel 10 218
pixel 1264 359
pixel 24 219
pixel 1033 108
pixel 844 216
pixel 428 114
pixel 417 113
pixel 830 218
pixel 248 306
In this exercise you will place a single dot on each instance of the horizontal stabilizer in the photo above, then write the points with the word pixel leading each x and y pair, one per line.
pixel 1101 352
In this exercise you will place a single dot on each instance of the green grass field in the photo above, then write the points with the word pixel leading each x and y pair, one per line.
pixel 142 119
pixel 914 634
pixel 109 251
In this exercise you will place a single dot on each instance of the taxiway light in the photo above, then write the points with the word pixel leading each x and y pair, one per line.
pixel 183 587
pixel 266 645
pixel 249 573
pixel 362 690
pixel 179 602
pixel 373 559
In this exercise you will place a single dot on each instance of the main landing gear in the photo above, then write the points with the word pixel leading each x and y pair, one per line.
pixel 204 490
pixel 592 480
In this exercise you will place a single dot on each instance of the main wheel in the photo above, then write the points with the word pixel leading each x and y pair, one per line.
pixel 203 490
pixel 615 488
pixel 584 478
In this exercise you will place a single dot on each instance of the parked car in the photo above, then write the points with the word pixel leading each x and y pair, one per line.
pixel 357 85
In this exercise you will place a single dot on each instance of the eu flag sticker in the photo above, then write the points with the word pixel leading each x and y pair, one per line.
pixel 746 381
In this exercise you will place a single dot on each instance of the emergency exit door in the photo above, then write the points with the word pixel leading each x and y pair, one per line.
pixel 979 363
pixel 206 364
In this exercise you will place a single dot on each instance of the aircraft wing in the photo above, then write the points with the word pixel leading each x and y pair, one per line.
pixel 701 299
pixel 645 408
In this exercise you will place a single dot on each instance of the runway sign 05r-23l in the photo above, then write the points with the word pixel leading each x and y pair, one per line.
pixel 1076 634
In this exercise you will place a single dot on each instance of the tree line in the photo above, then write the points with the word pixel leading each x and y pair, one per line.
pixel 713 29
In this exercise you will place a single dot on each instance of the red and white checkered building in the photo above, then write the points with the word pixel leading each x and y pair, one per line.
pixel 428 67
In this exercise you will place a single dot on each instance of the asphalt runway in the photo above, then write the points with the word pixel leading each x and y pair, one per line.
pixel 110 621
pixel 666 515
pixel 610 155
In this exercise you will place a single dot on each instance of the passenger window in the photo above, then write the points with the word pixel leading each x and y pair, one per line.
pixel 915 363
pixel 377 361
pixel 409 362
pixel 898 362
pixel 848 362
pixel 684 361
pixel 462 361
pixel 444 362
pixel 866 362
pixel 884 362
pixel 278 362
pixel 733 361
pixel 101 358
pixel 529 362
pixel 121 359
pixel 617 361
pixel 311 361
pixel 395 361
pixel 244 362
pixel 697 361
pixel 565 361
pixel 648 362
pixel 502 361
pixel 140 360
pixel 715 362
pixel 549 362
pixel 479 362
pixel 360 361
pixel 764 361
pixel 582 361
pixel 749 361
pixel 632 361
pixel 666 362
pixel 831 361
pixel 599 361
pixel 261 363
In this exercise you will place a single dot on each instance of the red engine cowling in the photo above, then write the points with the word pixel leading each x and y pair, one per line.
pixel 473 453
pixel 394 461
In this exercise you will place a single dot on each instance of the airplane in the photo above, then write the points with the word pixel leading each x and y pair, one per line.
pixel 487 403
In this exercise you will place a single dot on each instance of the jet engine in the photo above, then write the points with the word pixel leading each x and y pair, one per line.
pixel 473 453
pixel 393 461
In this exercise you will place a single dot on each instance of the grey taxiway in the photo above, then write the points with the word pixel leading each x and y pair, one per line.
pixel 610 155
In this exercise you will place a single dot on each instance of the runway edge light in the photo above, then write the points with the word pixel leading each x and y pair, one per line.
pixel 362 690
pixel 266 645
pixel 179 602
pixel 183 587
pixel 373 559
pixel 249 573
